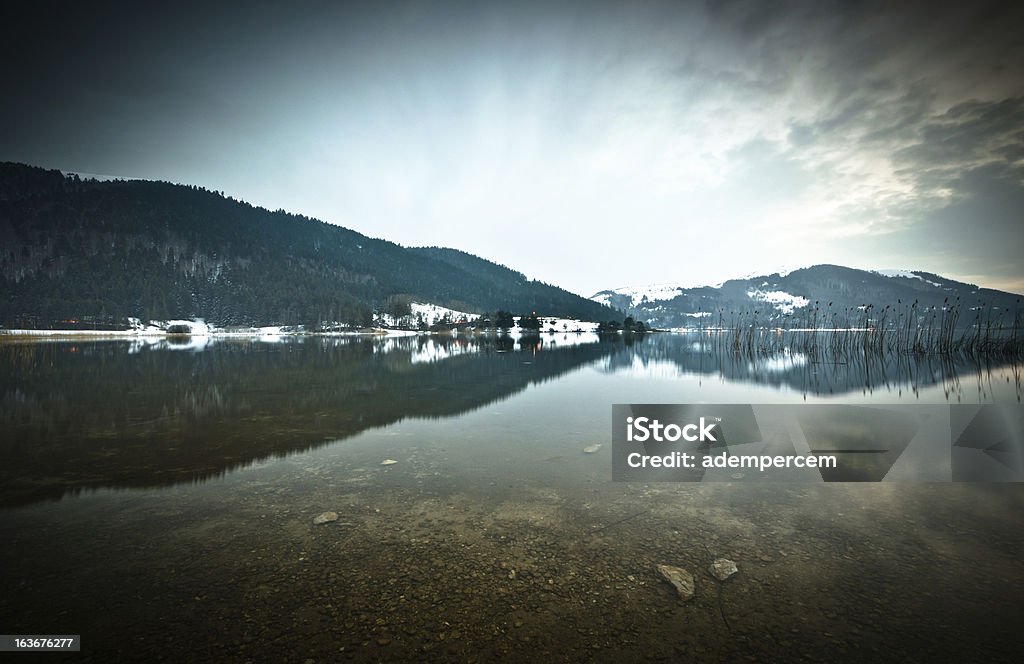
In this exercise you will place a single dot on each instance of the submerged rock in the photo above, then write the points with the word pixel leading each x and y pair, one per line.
pixel 325 517
pixel 388 462
pixel 723 568
pixel 679 578
pixel 592 449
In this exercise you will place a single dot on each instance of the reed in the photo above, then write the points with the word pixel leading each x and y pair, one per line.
pixel 864 329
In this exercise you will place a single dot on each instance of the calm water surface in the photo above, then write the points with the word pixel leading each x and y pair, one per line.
pixel 158 500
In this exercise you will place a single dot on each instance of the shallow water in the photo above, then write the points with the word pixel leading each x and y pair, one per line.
pixel 159 502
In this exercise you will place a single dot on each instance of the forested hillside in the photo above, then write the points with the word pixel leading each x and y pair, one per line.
pixel 76 249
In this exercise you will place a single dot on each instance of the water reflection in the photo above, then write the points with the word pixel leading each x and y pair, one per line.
pixel 496 536
pixel 79 415
pixel 960 377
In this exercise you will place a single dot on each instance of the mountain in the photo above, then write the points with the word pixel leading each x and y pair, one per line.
pixel 821 295
pixel 505 284
pixel 74 250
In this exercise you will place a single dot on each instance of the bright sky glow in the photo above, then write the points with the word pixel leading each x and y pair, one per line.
pixel 589 145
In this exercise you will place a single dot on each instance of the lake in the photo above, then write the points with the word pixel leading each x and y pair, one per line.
pixel 158 498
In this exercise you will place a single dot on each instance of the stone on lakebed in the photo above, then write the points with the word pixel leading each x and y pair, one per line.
pixel 723 568
pixel 325 517
pixel 679 578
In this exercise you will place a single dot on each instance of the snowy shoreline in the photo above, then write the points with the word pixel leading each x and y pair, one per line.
pixel 220 334
pixel 420 315
pixel 257 333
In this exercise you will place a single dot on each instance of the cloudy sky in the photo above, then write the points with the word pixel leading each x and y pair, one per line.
pixel 592 145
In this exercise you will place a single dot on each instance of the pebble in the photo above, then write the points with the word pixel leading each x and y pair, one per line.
pixel 679 578
pixel 723 568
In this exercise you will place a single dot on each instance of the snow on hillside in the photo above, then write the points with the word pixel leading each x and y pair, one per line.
pixel 906 274
pixel 781 300
pixel 781 271
pixel 640 294
pixel 433 313
pixel 428 314
pixel 664 292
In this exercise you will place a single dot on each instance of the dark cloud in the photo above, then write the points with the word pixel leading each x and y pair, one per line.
pixel 982 230
pixel 900 122
pixel 969 131
pixel 971 141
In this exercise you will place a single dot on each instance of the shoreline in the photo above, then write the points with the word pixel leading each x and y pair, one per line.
pixel 99 335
